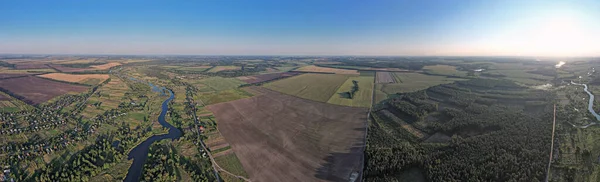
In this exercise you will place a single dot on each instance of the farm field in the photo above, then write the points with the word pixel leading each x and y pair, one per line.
pixel 37 90
pixel 88 79
pixel 266 77
pixel 444 70
pixel 194 68
pixel 301 140
pixel 318 69
pixel 317 87
pixel 362 98
pixel 223 68
pixel 219 83
pixel 222 96
pixel 105 66
pixel 385 77
pixel 12 75
pixel 30 66
pixel 107 97
pixel 410 82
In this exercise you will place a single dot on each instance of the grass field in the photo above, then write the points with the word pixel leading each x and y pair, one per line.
pixel 222 96
pixel 195 68
pixel 410 82
pixel 88 79
pixel 317 87
pixel 231 163
pixel 362 98
pixel 444 70
pixel 313 68
pixel 223 68
pixel 220 83
pixel 520 75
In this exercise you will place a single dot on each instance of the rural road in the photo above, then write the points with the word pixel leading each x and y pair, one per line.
pixel 551 145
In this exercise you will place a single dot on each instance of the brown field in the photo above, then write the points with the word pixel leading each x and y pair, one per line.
pixel 223 68
pixel 30 66
pixel 11 75
pixel 278 137
pixel 266 77
pixel 37 90
pixel 91 79
pixel 385 77
pixel 105 66
pixel 317 69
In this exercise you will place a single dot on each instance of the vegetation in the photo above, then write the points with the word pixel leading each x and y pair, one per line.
pixel 356 92
pixel 318 87
pixel 512 143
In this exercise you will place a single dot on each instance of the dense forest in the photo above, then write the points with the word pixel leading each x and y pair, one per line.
pixel 476 130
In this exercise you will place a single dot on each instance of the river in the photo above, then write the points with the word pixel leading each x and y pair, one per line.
pixel 139 154
pixel 590 105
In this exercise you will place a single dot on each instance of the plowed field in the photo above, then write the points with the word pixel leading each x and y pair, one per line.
pixel 279 137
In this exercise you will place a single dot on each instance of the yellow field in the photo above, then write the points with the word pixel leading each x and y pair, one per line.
pixel 90 79
pixel 106 66
pixel 362 98
pixel 78 61
pixel 313 68
pixel 223 68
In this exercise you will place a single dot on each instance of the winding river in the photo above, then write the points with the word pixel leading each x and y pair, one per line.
pixel 590 105
pixel 139 154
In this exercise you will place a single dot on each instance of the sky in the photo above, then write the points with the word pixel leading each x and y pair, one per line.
pixel 306 27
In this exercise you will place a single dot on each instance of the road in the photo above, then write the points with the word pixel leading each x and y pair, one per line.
pixel 551 145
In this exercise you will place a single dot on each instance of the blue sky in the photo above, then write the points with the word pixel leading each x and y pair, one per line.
pixel 308 27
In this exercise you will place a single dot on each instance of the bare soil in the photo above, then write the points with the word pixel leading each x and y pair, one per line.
pixel 34 90
pixel 279 137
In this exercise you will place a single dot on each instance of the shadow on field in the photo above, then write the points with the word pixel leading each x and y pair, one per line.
pixel 339 166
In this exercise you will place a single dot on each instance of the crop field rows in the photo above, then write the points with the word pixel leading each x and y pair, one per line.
pixel 386 77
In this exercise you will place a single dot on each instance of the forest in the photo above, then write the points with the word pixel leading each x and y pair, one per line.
pixel 468 134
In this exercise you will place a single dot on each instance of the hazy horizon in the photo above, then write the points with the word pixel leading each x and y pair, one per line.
pixel 311 28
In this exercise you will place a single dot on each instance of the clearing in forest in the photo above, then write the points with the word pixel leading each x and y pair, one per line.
pixel 317 87
pixel 441 69
pixel 278 137
pixel 88 79
pixel 410 82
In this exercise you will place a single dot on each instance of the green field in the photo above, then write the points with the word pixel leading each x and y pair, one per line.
pixel 521 76
pixel 231 163
pixel 412 82
pixel 220 83
pixel 222 96
pixel 444 70
pixel 195 68
pixel 317 87
pixel 362 98
pixel 223 68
